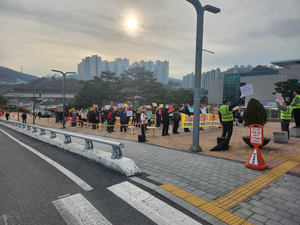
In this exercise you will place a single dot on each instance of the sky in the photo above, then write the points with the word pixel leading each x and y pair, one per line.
pixel 40 35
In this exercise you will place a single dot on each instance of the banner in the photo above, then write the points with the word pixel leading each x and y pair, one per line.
pixel 120 105
pixel 279 97
pixel 72 110
pixel 128 113
pixel 107 107
pixel 205 120
pixel 154 104
pixel 95 105
pixel 136 105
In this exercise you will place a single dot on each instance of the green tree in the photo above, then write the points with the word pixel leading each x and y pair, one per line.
pixel 141 83
pixel 286 88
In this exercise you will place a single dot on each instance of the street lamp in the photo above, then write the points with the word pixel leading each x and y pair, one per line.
pixel 199 41
pixel 64 78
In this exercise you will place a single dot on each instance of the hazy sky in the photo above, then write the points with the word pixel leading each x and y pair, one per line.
pixel 43 35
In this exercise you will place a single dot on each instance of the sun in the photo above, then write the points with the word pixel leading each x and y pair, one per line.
pixel 131 23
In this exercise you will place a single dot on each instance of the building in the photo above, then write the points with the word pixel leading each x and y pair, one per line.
pixel 188 81
pixel 92 66
pixel 262 79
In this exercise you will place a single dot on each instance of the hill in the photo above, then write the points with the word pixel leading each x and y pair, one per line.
pixel 176 80
pixel 9 76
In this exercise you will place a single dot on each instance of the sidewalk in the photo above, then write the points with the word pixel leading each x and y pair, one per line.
pixel 218 183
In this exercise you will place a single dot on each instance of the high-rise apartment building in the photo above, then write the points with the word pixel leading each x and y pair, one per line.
pixel 92 66
pixel 188 81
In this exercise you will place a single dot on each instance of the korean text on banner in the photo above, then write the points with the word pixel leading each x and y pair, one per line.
pixel 107 107
pixel 120 105
pixel 154 104
pixel 247 90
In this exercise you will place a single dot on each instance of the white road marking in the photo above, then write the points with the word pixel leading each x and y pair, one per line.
pixel 77 210
pixel 62 169
pixel 155 209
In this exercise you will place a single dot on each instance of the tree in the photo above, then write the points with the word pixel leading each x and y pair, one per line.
pixel 286 88
pixel 204 100
pixel 142 83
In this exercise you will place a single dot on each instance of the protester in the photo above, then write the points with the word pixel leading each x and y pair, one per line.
pixel 296 107
pixel 226 117
pixel 122 114
pixel 158 116
pixel 176 118
pixel 143 121
pixel 165 120
pixel 24 117
pixel 83 116
pixel 285 116
pixel 110 120
pixel 210 110
pixel 187 112
pixel 202 111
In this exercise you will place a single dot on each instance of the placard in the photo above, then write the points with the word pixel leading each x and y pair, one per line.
pixel 256 135
pixel 247 90
pixel 95 105
pixel 135 105
pixel 279 97
pixel 107 107
pixel 111 103
pixel 149 114
pixel 154 104
pixel 120 105
pixel 128 113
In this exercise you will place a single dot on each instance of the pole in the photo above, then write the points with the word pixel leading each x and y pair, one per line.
pixel 64 80
pixel 18 107
pixel 33 106
pixel 198 64
pixel 64 77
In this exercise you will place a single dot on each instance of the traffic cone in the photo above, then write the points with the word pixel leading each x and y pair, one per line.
pixel 256 161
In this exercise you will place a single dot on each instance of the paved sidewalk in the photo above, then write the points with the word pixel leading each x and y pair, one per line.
pixel 218 182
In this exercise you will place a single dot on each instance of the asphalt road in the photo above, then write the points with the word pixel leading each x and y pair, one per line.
pixel 32 189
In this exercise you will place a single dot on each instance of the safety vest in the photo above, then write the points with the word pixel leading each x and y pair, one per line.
pixel 286 115
pixel 225 113
pixel 297 106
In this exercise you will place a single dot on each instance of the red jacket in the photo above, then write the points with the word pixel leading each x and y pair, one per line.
pixel 109 116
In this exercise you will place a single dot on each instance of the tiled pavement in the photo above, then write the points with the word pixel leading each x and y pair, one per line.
pixel 211 175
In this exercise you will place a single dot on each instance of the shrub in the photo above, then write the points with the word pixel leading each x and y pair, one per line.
pixel 255 113
pixel 22 109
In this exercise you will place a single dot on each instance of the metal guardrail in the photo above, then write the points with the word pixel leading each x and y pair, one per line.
pixel 116 146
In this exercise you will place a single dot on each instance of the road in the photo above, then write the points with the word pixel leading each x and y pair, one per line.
pixel 43 184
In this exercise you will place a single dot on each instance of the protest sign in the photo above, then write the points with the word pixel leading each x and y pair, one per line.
pixel 135 105
pixel 107 107
pixel 171 109
pixel 139 111
pixel 95 105
pixel 125 105
pixel 111 103
pixel 161 105
pixel 154 104
pixel 92 109
pixel 203 111
pixel 128 113
pixel 279 97
pixel 120 105
pixel 247 90
pixel 149 114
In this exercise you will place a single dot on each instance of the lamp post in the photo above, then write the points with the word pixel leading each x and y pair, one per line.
pixel 18 106
pixel 33 107
pixel 199 41
pixel 64 79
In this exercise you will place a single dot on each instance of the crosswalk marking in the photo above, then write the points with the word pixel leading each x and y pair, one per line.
pixel 77 210
pixel 155 209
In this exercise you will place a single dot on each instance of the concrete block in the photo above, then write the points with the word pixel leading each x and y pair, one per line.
pixel 295 132
pixel 280 136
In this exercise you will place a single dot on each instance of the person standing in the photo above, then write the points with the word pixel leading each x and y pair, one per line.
pixel 226 116
pixel 285 116
pixel 39 115
pixel 165 120
pixel 24 117
pixel 187 112
pixel 6 115
pixel 158 116
pixel 296 107
pixel 110 120
pixel 176 118
pixel 210 110
pixel 123 120
pixel 143 121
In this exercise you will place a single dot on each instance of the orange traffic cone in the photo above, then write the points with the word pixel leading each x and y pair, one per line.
pixel 256 161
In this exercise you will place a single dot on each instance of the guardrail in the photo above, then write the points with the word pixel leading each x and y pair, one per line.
pixel 116 146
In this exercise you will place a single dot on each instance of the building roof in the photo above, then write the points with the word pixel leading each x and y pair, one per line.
pixel 4 89
pixel 261 68
pixel 286 63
